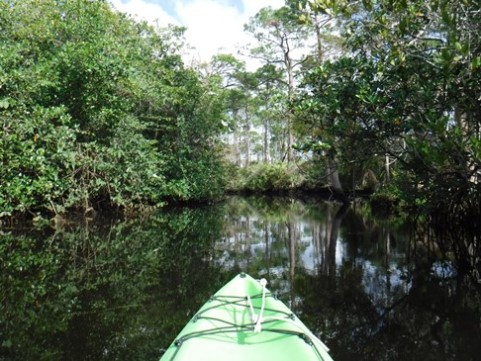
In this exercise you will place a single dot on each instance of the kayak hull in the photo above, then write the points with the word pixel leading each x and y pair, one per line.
pixel 244 321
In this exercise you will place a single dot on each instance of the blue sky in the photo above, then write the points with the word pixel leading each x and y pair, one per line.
pixel 169 5
pixel 212 25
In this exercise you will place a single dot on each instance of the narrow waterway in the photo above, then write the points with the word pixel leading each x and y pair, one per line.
pixel 371 288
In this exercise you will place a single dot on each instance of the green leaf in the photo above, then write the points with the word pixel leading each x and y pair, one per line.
pixel 7 343
pixel 475 63
pixel 4 104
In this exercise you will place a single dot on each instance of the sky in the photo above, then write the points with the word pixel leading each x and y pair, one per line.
pixel 213 26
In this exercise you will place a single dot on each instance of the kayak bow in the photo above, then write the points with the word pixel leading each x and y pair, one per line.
pixel 243 321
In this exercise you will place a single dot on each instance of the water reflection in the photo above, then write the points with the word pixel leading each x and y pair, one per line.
pixel 283 235
pixel 110 290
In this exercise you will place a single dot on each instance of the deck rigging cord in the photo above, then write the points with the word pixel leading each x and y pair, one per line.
pixel 258 320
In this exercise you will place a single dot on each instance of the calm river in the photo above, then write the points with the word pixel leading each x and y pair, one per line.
pixel 371 288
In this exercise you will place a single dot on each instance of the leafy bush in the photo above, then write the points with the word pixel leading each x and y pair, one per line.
pixel 262 177
pixel 98 110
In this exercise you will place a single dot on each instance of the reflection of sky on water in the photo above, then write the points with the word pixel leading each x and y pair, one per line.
pixel 380 283
pixel 369 286
pixel 341 253
pixel 443 270
pixel 276 246
pixel 264 245
pixel 247 237
pixel 377 279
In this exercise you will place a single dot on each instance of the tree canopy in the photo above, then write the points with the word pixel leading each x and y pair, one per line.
pixel 403 101
pixel 99 110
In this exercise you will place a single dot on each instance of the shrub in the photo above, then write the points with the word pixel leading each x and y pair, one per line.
pixel 262 177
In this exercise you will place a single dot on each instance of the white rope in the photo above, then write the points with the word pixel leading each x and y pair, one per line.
pixel 258 319
pixel 258 327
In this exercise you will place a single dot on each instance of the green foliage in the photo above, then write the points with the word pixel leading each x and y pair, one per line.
pixel 99 111
pixel 313 174
pixel 332 116
pixel 403 100
pixel 385 201
pixel 261 177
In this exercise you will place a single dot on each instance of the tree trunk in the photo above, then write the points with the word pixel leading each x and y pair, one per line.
pixel 237 153
pixel 334 181
pixel 290 94
pixel 247 138
pixel 388 170
pixel 267 153
pixel 331 162
pixel 290 136
pixel 318 37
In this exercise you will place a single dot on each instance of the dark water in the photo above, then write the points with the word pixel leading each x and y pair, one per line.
pixel 373 289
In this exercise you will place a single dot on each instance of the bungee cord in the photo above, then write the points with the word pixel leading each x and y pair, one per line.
pixel 258 320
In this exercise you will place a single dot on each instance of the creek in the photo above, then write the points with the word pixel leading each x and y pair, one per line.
pixel 108 289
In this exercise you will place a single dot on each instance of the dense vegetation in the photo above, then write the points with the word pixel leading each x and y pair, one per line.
pixel 387 100
pixel 99 111
pixel 403 103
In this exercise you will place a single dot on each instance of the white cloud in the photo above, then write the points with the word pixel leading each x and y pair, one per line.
pixel 213 26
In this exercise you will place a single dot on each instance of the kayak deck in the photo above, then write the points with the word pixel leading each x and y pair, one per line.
pixel 244 321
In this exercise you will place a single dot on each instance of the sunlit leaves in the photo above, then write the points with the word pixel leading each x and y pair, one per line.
pixel 98 110
pixel 409 90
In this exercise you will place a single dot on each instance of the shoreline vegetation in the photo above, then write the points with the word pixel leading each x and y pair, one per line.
pixel 100 112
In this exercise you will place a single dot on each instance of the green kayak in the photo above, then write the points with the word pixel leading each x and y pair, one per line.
pixel 243 321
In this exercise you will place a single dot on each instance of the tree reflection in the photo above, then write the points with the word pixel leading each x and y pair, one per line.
pixel 109 291
pixel 371 288
pixel 370 291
